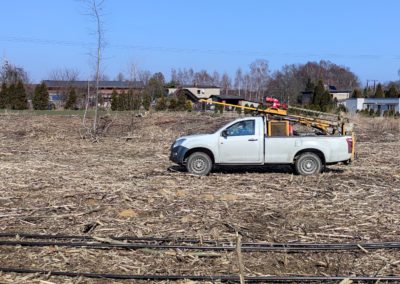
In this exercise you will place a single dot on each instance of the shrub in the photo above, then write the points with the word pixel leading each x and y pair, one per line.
pixel 189 105
pixel 161 104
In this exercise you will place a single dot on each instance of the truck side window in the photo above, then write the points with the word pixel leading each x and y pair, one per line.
pixel 242 128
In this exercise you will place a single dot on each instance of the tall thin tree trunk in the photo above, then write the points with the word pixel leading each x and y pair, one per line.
pixel 98 61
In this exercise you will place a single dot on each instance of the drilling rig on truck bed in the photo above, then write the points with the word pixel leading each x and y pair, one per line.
pixel 280 122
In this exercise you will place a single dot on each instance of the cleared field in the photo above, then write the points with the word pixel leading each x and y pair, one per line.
pixel 52 181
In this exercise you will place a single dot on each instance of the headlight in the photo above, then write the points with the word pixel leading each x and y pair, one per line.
pixel 178 142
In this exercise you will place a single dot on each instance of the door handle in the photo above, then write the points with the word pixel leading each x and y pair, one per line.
pixel 253 139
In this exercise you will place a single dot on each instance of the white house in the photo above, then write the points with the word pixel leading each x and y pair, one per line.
pixel 196 92
pixel 381 104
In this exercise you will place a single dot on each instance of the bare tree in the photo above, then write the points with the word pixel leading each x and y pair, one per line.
pixel 216 79
pixel 225 83
pixel 95 11
pixel 120 77
pixel 238 80
pixel 144 76
pixel 203 78
pixel 259 72
pixel 11 74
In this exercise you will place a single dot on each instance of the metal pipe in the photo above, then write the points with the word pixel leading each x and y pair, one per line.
pixel 223 278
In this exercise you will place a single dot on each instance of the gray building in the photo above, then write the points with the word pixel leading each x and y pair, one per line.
pixel 381 104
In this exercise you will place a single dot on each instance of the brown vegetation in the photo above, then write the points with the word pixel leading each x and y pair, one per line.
pixel 52 182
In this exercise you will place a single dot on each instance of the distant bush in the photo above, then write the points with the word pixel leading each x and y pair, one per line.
pixel 161 104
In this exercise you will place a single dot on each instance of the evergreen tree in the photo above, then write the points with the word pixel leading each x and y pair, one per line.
pixel 181 103
pixel 114 100
pixel 357 93
pixel 365 93
pixel 318 93
pixel 379 93
pixel 10 96
pixel 136 102
pixel 309 86
pixel 3 96
pixel 392 92
pixel 123 102
pixel 40 98
pixel 20 101
pixel 161 104
pixel 146 102
pixel 326 102
pixel 71 100
pixel 172 104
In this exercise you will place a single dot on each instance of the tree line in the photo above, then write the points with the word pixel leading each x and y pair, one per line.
pixel 391 91
pixel 252 84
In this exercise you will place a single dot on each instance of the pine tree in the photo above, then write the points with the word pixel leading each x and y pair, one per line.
pixel 392 92
pixel 326 102
pixel 318 93
pixel 172 104
pixel 20 101
pixel 357 93
pixel 3 96
pixel 161 104
pixel 309 86
pixel 146 102
pixel 40 98
pixel 10 96
pixel 181 103
pixel 379 93
pixel 114 100
pixel 123 102
pixel 136 102
pixel 71 100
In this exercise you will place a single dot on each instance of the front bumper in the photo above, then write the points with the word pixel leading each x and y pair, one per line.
pixel 178 154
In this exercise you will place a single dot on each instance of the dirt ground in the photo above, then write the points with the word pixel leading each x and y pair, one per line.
pixel 54 182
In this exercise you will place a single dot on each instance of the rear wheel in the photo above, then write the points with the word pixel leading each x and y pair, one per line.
pixel 308 164
pixel 199 163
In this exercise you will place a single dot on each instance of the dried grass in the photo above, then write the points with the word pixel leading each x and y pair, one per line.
pixel 51 181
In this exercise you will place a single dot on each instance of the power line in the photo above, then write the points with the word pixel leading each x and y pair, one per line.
pixel 66 43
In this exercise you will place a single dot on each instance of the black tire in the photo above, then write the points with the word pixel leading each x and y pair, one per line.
pixel 199 163
pixel 308 164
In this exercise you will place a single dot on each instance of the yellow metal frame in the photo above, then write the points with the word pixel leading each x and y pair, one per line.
pixel 270 122
pixel 323 124
pixel 268 110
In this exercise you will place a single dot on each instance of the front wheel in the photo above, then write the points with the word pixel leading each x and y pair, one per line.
pixel 199 163
pixel 308 164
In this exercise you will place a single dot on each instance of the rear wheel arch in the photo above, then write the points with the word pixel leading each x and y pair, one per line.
pixel 311 150
pixel 309 162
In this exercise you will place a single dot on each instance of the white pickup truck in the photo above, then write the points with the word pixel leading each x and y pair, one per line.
pixel 247 141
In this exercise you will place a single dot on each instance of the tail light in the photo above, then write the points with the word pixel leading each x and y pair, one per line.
pixel 349 145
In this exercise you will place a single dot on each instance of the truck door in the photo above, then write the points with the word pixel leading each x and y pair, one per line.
pixel 242 143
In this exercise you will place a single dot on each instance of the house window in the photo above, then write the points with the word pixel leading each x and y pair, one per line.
pixel 198 92
pixel 391 107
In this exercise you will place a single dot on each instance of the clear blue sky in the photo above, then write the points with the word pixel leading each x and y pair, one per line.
pixel 221 35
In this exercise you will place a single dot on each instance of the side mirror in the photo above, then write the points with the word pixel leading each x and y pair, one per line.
pixel 224 133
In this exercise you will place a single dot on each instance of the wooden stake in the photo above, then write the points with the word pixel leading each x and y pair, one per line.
pixel 239 257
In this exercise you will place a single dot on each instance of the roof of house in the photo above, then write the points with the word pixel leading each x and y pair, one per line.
pixel 228 97
pixel 195 86
pixel 102 84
